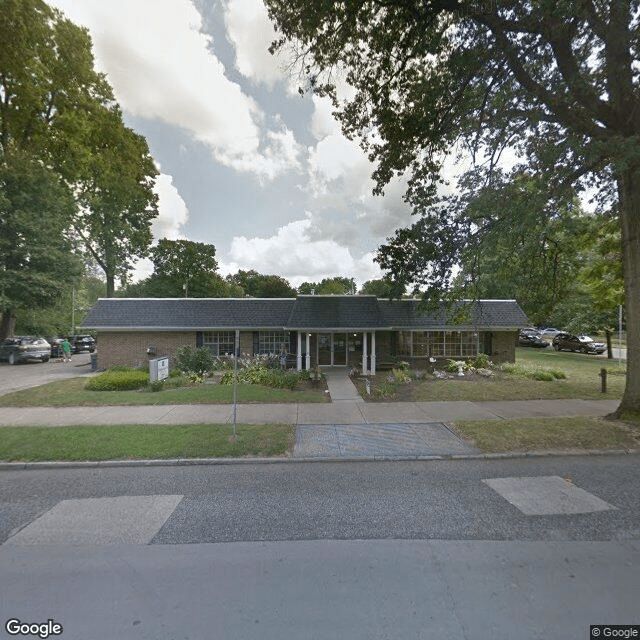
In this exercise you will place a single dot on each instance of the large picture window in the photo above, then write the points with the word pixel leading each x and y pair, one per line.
pixel 220 343
pixel 272 342
pixel 438 344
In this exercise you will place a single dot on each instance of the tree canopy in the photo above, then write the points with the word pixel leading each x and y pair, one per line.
pixel 557 82
pixel 58 117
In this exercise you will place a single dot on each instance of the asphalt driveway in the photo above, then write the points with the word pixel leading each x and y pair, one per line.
pixel 32 374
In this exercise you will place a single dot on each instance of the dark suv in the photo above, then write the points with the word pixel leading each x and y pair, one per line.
pixel 82 343
pixel 585 344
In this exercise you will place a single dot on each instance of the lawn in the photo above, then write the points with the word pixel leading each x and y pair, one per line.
pixel 582 381
pixel 143 442
pixel 543 434
pixel 65 393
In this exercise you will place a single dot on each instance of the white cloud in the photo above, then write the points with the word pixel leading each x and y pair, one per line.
pixel 173 212
pixel 158 62
pixel 251 32
pixel 292 254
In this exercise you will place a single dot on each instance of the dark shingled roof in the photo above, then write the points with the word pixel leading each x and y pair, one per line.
pixel 336 312
pixel 480 314
pixel 305 313
pixel 189 313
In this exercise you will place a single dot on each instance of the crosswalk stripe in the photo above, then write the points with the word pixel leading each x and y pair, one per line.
pixel 121 519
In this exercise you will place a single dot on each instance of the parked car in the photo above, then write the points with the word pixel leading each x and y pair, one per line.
pixel 550 332
pixel 531 339
pixel 25 348
pixel 584 344
pixel 82 343
pixel 56 348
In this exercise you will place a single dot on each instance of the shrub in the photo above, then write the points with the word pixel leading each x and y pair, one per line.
pixel 401 375
pixel 481 361
pixel 118 379
pixel 257 371
pixel 155 385
pixel 199 360
pixel 385 389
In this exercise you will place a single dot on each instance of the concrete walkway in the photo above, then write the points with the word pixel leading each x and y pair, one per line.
pixel 340 387
pixel 344 412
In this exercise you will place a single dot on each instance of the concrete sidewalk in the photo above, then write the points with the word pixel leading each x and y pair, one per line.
pixel 343 412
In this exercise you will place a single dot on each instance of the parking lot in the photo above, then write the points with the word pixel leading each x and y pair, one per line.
pixel 32 374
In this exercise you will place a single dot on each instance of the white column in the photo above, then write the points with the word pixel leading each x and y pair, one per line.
pixel 299 353
pixel 373 353
pixel 364 353
pixel 308 352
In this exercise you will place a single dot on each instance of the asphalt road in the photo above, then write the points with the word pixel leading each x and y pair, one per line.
pixel 31 374
pixel 323 551
pixel 444 499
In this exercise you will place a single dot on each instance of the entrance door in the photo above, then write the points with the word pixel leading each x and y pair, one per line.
pixel 339 349
pixel 324 349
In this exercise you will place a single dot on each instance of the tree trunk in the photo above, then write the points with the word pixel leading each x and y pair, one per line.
pixel 7 322
pixel 629 195
pixel 111 281
pixel 609 348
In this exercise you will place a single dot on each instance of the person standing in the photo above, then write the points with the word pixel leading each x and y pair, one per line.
pixel 66 350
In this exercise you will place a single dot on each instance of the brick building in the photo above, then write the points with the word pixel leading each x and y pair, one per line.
pixel 357 331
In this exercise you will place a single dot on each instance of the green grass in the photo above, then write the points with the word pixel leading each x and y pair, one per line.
pixel 582 380
pixel 71 392
pixel 141 442
pixel 536 434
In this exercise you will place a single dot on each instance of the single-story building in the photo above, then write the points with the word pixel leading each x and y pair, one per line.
pixel 336 330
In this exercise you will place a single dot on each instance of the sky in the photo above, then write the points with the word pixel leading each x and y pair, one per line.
pixel 246 163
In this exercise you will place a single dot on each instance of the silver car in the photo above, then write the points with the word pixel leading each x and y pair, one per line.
pixel 25 348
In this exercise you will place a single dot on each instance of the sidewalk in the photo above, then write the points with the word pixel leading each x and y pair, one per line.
pixel 342 412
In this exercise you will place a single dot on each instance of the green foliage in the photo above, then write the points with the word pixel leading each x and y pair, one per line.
pixel 401 375
pixel 256 371
pixel 328 286
pixel 36 259
pixel 382 288
pixel 194 360
pixel 534 373
pixel 254 284
pixel 118 379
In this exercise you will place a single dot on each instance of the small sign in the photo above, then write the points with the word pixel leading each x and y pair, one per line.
pixel 159 368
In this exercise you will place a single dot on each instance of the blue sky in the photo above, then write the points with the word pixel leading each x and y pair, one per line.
pixel 246 163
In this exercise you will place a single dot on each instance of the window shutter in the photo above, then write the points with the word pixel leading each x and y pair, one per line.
pixel 256 342
pixel 199 338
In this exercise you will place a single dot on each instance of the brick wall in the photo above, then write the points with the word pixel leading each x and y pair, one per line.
pixel 129 348
pixel 503 346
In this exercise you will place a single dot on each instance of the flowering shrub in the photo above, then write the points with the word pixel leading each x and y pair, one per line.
pixel 263 370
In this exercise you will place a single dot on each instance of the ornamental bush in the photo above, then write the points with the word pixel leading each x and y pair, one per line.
pixel 118 379
pixel 199 360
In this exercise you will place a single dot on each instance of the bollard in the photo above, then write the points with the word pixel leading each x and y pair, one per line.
pixel 603 375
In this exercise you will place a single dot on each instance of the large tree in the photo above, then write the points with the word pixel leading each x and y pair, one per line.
pixel 116 196
pixel 36 258
pixel 48 89
pixel 555 80
pixel 56 109
pixel 258 285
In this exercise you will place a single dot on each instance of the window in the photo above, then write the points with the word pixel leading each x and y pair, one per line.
pixel 272 342
pixel 438 344
pixel 220 343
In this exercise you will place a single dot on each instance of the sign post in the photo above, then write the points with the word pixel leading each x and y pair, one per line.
pixel 158 368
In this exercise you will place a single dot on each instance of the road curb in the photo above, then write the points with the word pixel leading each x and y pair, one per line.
pixel 186 462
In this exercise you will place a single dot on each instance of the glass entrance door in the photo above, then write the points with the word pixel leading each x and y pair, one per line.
pixel 339 349
pixel 324 349
pixel 332 349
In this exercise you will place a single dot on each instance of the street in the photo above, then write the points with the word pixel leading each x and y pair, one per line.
pixel 325 550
